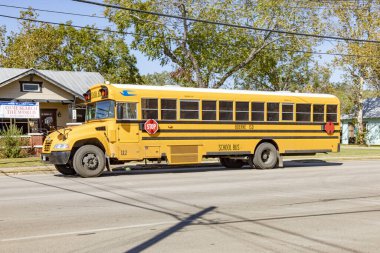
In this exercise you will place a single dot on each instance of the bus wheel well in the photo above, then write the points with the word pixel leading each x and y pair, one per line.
pixel 268 141
pixel 92 141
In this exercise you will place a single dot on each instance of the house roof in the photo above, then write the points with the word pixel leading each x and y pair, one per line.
pixel 371 109
pixel 74 82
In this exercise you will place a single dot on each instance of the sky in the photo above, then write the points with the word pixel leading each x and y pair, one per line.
pixel 145 65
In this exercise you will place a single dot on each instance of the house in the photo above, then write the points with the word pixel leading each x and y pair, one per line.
pixel 38 101
pixel 371 121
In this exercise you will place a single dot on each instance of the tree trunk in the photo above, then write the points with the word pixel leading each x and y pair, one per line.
pixel 361 136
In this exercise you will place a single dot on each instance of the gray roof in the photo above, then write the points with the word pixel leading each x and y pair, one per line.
pixel 74 82
pixel 371 109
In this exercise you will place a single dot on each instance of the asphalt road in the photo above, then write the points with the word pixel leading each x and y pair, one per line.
pixel 306 207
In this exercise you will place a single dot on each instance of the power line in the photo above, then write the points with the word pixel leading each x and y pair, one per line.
pixel 51 11
pixel 66 13
pixel 226 24
pixel 178 39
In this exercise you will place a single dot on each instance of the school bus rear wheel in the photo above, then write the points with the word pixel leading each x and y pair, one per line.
pixel 265 157
pixel 89 161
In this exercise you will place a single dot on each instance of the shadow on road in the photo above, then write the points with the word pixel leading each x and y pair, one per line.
pixel 144 245
pixel 161 169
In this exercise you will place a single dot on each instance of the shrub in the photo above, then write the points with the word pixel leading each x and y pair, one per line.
pixel 11 142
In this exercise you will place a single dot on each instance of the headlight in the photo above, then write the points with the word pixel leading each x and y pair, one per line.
pixel 61 146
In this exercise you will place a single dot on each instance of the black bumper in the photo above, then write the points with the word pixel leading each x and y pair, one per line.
pixel 57 157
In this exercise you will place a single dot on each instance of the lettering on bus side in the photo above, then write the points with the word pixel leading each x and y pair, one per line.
pixel 244 126
pixel 123 152
pixel 229 147
pixel 95 94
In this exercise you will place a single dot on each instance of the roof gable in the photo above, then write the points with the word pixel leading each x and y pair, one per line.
pixel 371 109
pixel 73 82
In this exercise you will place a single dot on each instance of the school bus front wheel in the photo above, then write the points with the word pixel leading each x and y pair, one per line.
pixel 89 161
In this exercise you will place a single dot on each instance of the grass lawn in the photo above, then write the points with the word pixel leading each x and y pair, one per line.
pixel 345 152
pixel 353 152
pixel 20 162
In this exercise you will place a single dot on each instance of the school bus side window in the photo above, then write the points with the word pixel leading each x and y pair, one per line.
pixel 273 111
pixel 225 110
pixel 208 110
pixel 303 112
pixel 287 112
pixel 242 111
pixel 318 113
pixel 189 109
pixel 257 111
pixel 127 110
pixel 168 109
pixel 332 113
pixel 149 108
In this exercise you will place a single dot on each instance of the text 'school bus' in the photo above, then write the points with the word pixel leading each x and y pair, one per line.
pixel 183 125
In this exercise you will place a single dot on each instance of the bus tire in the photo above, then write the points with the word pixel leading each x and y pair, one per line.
pixel 265 156
pixel 65 169
pixel 231 163
pixel 89 161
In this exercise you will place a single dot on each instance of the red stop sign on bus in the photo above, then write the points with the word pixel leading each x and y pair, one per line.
pixel 151 126
pixel 329 128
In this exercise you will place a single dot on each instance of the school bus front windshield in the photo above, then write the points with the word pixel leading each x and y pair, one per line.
pixel 100 110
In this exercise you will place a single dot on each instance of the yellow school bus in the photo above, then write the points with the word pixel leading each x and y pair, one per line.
pixel 184 125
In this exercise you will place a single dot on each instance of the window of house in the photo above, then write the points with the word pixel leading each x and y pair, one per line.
pixel 303 112
pixel 318 113
pixel 23 125
pixel 5 123
pixel 226 110
pixel 257 111
pixel 332 113
pixel 209 110
pixel 127 110
pixel 273 111
pixel 287 112
pixel 149 108
pixel 168 109
pixel 30 87
pixel 242 111
pixel 189 109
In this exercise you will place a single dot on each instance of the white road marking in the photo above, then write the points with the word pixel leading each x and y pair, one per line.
pixel 86 231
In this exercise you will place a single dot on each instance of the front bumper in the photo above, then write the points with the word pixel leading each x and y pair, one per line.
pixel 56 157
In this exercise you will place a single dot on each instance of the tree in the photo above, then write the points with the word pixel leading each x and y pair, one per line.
pixel 357 20
pixel 64 47
pixel 163 78
pixel 208 55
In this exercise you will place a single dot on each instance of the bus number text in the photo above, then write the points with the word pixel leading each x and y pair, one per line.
pixel 243 127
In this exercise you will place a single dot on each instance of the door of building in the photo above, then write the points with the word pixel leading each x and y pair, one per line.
pixel 48 120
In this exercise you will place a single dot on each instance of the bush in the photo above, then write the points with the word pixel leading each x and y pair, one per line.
pixel 11 142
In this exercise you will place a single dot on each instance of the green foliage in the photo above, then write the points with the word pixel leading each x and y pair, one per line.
pixel 45 46
pixel 207 55
pixel 11 142
pixel 163 78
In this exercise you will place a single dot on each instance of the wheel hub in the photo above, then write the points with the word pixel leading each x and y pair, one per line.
pixel 265 155
pixel 90 161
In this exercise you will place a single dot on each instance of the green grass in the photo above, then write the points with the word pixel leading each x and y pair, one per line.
pixel 353 152
pixel 21 162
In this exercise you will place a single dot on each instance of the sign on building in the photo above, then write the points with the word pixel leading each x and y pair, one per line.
pixel 19 110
